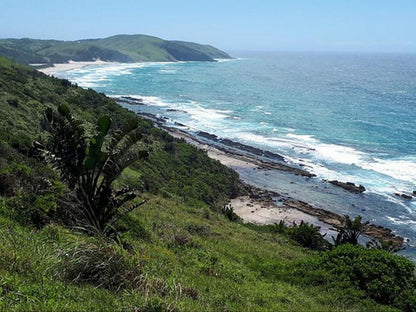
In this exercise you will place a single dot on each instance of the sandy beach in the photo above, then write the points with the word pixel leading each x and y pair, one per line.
pixel 68 66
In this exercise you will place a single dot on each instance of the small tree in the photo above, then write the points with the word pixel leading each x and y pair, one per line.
pixel 91 165
pixel 350 230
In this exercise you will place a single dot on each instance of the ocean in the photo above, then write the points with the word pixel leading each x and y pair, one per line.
pixel 344 116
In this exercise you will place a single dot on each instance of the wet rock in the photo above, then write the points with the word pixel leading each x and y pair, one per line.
pixel 130 100
pixel 207 135
pixel 349 186
pixel 404 196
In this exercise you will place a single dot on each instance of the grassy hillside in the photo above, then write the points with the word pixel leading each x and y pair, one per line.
pixel 120 48
pixel 177 252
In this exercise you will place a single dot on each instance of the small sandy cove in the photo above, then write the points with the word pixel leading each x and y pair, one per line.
pixel 57 68
pixel 260 212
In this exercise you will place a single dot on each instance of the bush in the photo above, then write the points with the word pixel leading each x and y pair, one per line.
pixel 228 211
pixel 33 209
pixel 199 229
pixel 183 171
pixel 308 236
pixel 386 278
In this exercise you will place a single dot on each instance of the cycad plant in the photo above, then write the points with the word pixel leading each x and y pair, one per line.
pixel 350 230
pixel 91 165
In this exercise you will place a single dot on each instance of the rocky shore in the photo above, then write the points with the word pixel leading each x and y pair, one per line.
pixel 267 206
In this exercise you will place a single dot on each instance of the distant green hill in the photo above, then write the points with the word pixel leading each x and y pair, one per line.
pixel 120 48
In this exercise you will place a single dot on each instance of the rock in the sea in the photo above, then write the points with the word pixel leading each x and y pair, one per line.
pixel 349 186
pixel 405 196
pixel 208 136
pixel 130 100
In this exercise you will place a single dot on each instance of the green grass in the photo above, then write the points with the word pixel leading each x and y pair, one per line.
pixel 190 259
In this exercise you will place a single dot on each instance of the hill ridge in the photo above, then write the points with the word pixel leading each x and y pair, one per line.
pixel 122 48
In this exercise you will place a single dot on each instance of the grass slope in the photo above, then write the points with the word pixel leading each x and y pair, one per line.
pixel 175 253
pixel 119 48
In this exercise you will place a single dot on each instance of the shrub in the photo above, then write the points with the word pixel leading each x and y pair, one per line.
pixel 308 236
pixel 31 192
pixel 386 278
pixel 228 211
pixel 33 209
pixel 199 229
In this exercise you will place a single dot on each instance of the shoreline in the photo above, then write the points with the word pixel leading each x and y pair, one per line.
pixel 270 207
pixel 62 67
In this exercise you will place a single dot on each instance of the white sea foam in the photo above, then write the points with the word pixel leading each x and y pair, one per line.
pixel 380 176
pixel 223 60
pixel 89 75
pixel 147 100
pixel 400 169
pixel 199 115
pixel 205 117
pixel 402 221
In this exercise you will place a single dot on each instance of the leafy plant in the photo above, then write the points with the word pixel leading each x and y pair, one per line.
pixel 308 236
pixel 90 166
pixel 350 230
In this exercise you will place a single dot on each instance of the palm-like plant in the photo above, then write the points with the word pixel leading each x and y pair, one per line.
pixel 350 230
pixel 90 166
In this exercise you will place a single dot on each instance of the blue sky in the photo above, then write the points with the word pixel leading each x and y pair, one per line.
pixel 340 25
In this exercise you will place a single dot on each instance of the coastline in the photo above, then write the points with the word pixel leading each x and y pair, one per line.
pixel 265 206
pixel 61 67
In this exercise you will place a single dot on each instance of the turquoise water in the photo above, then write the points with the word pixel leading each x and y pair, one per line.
pixel 344 116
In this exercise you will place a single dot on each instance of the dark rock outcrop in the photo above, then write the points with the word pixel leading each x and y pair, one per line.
pixel 404 196
pixel 349 186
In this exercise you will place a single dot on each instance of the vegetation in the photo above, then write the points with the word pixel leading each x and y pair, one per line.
pixel 386 278
pixel 179 251
pixel 120 48
pixel 90 166
pixel 350 230
pixel 307 235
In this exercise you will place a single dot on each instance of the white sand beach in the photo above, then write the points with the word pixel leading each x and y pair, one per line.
pixel 61 67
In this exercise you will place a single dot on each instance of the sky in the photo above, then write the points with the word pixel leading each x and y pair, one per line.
pixel 266 25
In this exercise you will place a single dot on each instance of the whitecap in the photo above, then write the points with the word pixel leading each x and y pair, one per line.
pixel 401 169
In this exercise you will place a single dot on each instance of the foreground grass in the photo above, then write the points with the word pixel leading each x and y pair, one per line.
pixel 188 259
